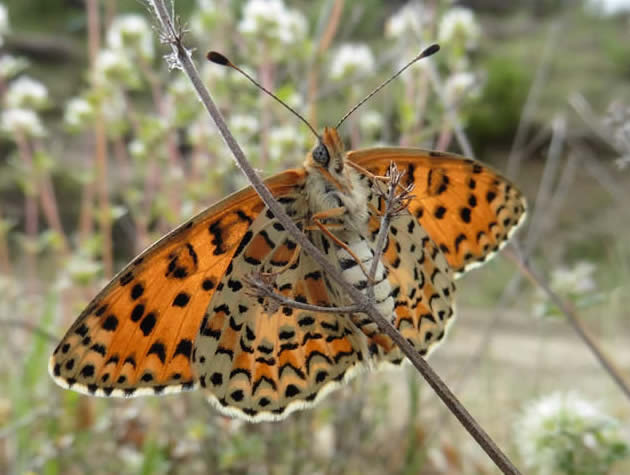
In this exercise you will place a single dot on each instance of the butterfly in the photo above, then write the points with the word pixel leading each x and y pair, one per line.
pixel 182 316
pixel 179 316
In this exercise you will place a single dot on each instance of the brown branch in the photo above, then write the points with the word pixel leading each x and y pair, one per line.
pixel 102 182
pixel 395 202
pixel 182 56
pixel 573 318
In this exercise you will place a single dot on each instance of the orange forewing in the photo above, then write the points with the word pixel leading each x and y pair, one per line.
pixel 137 334
pixel 467 208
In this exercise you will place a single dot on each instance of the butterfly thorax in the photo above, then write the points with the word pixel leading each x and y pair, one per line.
pixel 331 185
pixel 337 194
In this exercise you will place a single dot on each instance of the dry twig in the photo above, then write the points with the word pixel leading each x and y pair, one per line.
pixel 181 58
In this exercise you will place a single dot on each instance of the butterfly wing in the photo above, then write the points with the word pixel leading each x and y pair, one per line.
pixel 467 208
pixel 137 335
pixel 263 365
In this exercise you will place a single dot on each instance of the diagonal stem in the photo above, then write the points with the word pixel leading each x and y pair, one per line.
pixel 182 55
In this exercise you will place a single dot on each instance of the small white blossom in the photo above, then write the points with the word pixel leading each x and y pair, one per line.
pixel 113 106
pixel 351 60
pixel 272 19
pixel 576 280
pixel 461 85
pixel 284 141
pixel 26 92
pixel 202 131
pixel 562 429
pixel 78 112
pixel 609 7
pixel 617 121
pixel 244 124
pixel 622 162
pixel 406 21
pixel 206 5
pixel 211 73
pixel 371 121
pixel 114 66
pixel 24 121
pixel 11 66
pixel 131 33
pixel 82 269
pixel 137 149
pixel 459 24
pixel 208 15
pixel 324 440
pixel 4 21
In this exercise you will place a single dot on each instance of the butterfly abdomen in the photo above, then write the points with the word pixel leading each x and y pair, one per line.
pixel 355 274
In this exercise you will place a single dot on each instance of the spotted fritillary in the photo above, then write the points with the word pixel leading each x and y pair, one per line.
pixel 179 316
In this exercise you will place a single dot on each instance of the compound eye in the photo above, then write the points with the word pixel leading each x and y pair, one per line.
pixel 320 155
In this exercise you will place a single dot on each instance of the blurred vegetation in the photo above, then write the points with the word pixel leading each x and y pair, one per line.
pixel 506 70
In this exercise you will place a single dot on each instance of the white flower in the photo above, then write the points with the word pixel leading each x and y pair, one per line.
pixel 285 141
pixel 622 162
pixel 78 112
pixel 113 106
pixel 371 121
pixel 324 441
pixel 4 21
pixel 114 66
pixel 406 21
pixel 211 73
pixel 11 66
pixel 131 33
pixel 351 60
pixel 82 269
pixel 461 85
pixel 563 427
pixel 272 19
pixel 26 92
pixel 206 5
pixel 24 121
pixel 244 124
pixel 137 148
pixel 201 131
pixel 576 280
pixel 609 7
pixel 459 24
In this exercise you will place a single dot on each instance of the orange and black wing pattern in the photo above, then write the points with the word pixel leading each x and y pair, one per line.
pixel 466 207
pixel 137 335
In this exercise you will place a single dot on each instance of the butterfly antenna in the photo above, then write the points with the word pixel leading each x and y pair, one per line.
pixel 222 60
pixel 434 48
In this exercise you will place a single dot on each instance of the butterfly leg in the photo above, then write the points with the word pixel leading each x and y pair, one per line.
pixel 317 219
pixel 294 257
pixel 367 173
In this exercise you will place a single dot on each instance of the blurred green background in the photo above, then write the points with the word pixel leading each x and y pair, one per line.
pixel 103 150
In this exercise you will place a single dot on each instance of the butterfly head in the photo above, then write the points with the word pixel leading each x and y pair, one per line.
pixel 328 155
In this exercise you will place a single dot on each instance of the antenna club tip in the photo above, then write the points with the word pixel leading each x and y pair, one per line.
pixel 218 58
pixel 430 50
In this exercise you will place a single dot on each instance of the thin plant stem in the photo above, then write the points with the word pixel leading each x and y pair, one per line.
pixel 51 209
pixel 574 320
pixel 100 139
pixel 162 107
pixel 327 35
pixel 5 260
pixel 543 197
pixel 44 189
pixel 172 36
pixel 531 102
pixel 266 79
pixel 449 109
pixel 31 215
